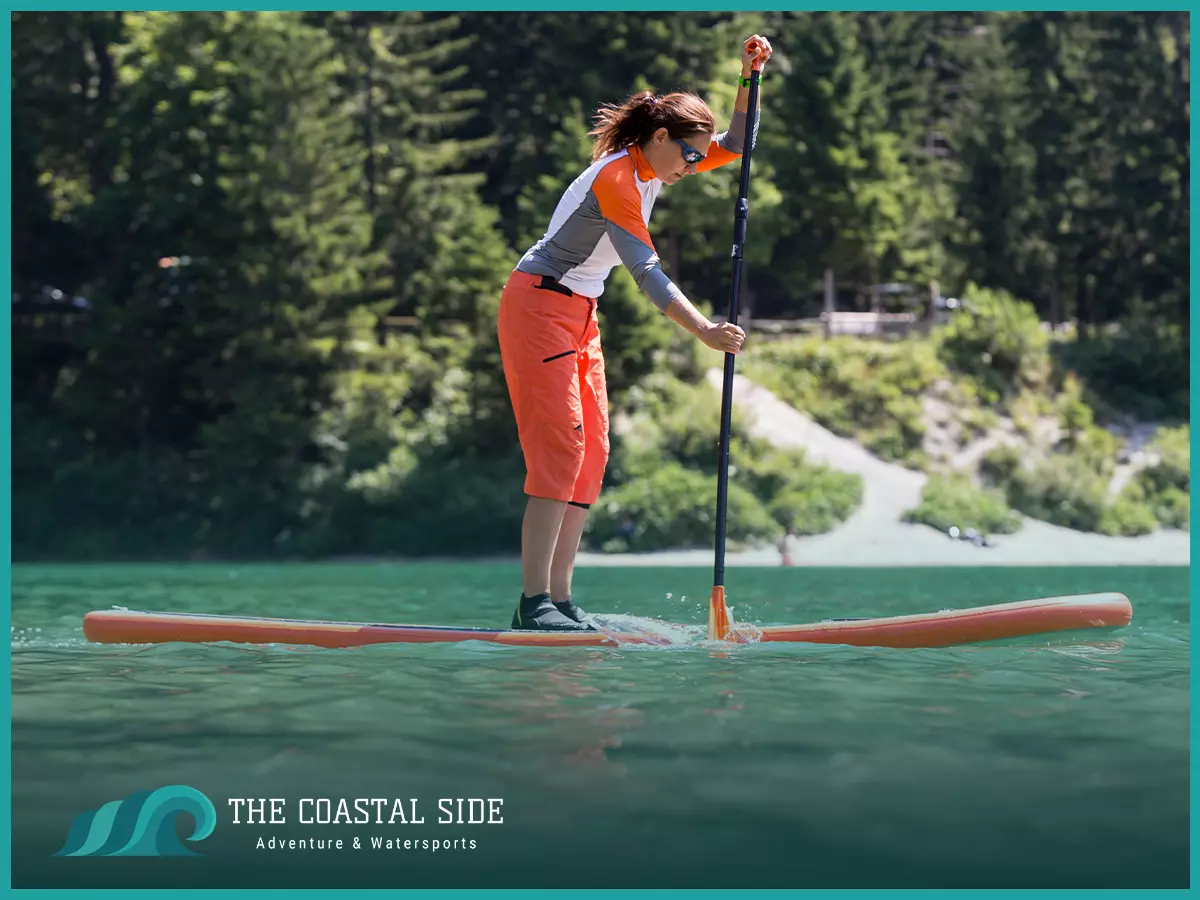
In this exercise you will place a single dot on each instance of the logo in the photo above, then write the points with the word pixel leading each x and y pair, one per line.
pixel 143 824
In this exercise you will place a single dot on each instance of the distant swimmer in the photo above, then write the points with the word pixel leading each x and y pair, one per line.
pixel 785 549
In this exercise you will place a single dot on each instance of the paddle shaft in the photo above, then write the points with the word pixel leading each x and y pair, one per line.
pixel 740 214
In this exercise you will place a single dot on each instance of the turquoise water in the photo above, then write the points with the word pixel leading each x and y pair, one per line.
pixel 1051 762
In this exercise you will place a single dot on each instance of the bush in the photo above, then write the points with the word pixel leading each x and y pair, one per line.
pixel 1173 470
pixel 1063 490
pixel 1172 508
pixel 805 498
pixel 674 507
pixel 866 390
pixel 446 507
pixel 1136 367
pixel 672 421
pixel 1096 446
pixel 677 430
pixel 955 500
pixel 1066 490
pixel 1166 483
pixel 1000 464
pixel 998 341
pixel 1128 515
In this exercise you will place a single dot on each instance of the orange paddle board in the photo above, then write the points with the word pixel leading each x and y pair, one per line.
pixel 943 628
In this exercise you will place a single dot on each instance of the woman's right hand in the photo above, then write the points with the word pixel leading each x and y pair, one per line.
pixel 755 53
pixel 724 336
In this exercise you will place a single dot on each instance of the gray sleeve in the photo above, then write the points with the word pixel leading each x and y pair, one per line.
pixel 643 264
pixel 735 136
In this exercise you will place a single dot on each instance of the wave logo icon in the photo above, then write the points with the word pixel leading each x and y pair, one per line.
pixel 143 824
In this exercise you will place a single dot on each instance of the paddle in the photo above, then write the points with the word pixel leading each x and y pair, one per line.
pixel 719 624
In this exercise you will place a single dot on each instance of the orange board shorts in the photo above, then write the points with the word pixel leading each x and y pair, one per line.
pixel 554 367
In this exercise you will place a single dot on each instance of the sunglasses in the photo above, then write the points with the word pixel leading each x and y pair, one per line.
pixel 690 154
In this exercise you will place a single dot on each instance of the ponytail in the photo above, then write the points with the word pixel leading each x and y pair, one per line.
pixel 622 125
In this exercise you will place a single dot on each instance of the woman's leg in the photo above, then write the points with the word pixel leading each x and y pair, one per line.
pixel 562 566
pixel 593 401
pixel 541 533
pixel 539 332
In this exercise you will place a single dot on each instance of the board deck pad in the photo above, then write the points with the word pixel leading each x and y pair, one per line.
pixel 943 628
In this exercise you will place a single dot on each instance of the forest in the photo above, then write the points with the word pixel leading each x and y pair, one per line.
pixel 257 256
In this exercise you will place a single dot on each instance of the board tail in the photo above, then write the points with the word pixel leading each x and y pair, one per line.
pixel 719 624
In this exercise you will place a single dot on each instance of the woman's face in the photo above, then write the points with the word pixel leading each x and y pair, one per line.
pixel 669 157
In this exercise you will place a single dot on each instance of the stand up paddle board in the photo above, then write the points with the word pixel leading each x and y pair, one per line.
pixel 943 628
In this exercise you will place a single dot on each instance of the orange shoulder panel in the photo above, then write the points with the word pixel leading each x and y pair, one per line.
pixel 615 187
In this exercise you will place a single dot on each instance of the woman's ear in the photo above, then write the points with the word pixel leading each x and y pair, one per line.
pixel 661 136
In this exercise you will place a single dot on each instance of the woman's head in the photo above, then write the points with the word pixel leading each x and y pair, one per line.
pixel 669 129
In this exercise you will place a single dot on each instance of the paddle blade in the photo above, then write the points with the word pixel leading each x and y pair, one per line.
pixel 719 623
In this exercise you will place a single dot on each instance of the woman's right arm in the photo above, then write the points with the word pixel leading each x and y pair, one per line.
pixel 621 206
pixel 723 336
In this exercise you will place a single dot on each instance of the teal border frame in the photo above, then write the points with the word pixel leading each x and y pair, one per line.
pixel 441 6
pixel 6 447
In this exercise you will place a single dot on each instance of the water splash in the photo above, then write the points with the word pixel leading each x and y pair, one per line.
pixel 661 633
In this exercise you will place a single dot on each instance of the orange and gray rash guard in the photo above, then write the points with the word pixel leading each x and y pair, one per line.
pixel 601 221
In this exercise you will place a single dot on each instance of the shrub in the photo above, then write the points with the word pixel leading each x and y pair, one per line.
pixel 672 421
pixel 1171 508
pixel 1128 515
pixel 1135 366
pixel 1096 446
pixel 677 430
pixel 1063 490
pixel 955 500
pixel 407 507
pixel 866 390
pixel 998 341
pixel 1166 483
pixel 1000 464
pixel 805 498
pixel 674 507
pixel 1173 470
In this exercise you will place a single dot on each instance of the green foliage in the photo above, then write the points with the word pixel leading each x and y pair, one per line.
pixel 949 501
pixel 1063 490
pixel 802 497
pixel 1000 464
pixel 855 195
pixel 866 390
pixel 1172 508
pixel 1173 469
pixel 1072 184
pixel 1071 486
pixel 1128 515
pixel 671 420
pixel 1137 368
pixel 1096 447
pixel 1166 483
pixel 443 506
pixel 677 429
pixel 997 341
pixel 314 172
pixel 671 506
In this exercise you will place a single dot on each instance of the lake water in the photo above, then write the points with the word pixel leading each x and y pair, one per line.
pixel 1054 762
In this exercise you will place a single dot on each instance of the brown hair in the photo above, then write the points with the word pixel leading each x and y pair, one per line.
pixel 621 125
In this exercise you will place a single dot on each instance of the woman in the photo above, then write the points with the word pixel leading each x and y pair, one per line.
pixel 549 339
